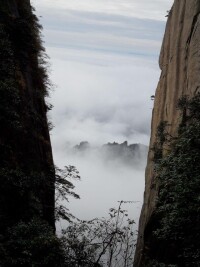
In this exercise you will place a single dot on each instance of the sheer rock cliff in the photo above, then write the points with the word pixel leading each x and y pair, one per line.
pixel 26 165
pixel 180 75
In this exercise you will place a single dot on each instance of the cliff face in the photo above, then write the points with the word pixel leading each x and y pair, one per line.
pixel 26 164
pixel 180 68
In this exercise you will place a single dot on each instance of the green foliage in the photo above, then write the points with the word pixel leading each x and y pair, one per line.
pixel 101 241
pixel 30 241
pixel 162 137
pixel 178 174
pixel 31 244
pixel 23 195
pixel 63 189
pixel 27 36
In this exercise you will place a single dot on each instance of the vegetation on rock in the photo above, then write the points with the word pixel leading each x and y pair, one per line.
pixel 27 174
pixel 177 170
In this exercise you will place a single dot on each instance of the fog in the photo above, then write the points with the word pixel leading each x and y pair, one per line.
pixel 105 180
pixel 104 62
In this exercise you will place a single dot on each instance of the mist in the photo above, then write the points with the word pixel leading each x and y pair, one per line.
pixel 106 179
pixel 103 57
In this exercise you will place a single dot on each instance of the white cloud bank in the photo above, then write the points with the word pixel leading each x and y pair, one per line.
pixel 105 69
pixel 102 103
pixel 103 56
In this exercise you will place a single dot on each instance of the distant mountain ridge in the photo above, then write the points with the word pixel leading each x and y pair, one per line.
pixel 132 154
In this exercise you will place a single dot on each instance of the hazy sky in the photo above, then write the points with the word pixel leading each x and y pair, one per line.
pixel 104 62
pixel 103 56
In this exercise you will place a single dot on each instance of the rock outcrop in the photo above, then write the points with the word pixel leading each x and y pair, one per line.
pixel 26 165
pixel 133 155
pixel 180 75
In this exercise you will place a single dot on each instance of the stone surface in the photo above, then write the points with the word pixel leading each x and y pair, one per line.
pixel 180 75
pixel 24 136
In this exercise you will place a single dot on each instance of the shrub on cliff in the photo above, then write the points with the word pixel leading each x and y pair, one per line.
pixel 178 175
pixel 31 244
